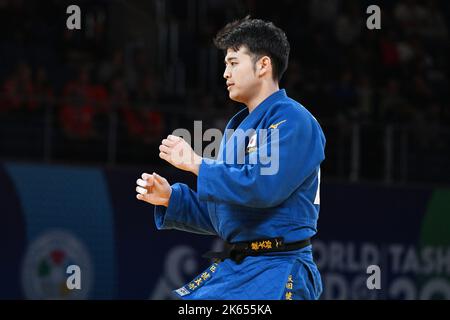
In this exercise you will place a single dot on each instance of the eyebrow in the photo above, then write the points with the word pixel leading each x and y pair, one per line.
pixel 229 59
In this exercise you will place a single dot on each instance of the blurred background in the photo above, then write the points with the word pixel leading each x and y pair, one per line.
pixel 82 113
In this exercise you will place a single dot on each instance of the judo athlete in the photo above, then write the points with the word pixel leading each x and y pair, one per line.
pixel 265 211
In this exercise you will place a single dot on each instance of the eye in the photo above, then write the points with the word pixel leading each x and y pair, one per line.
pixel 230 63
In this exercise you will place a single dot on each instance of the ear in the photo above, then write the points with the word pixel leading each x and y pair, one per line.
pixel 264 66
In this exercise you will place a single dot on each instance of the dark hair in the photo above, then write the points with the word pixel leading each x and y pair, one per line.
pixel 262 38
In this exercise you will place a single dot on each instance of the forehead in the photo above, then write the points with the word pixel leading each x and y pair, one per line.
pixel 242 53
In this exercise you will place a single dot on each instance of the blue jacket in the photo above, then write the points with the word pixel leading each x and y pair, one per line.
pixel 256 188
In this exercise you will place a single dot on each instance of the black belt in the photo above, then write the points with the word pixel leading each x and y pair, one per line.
pixel 239 250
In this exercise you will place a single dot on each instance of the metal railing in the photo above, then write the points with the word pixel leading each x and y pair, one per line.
pixel 354 151
pixel 391 153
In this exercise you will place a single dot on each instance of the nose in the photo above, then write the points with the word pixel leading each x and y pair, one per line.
pixel 226 73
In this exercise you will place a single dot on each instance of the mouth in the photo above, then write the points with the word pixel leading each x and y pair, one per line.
pixel 229 85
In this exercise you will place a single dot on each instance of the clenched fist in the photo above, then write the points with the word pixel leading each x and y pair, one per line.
pixel 179 153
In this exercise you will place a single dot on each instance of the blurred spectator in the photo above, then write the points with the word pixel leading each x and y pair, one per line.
pixel 345 95
pixel 324 11
pixel 434 26
pixel 145 123
pixel 112 68
pixel 365 99
pixel 137 69
pixel 43 90
pixel 18 90
pixel 389 50
pixel 81 101
pixel 340 70
pixel 394 108
pixel 349 25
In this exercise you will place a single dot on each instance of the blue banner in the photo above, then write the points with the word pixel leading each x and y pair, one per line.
pixel 54 216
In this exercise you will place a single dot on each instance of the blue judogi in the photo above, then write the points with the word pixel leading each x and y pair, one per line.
pixel 237 202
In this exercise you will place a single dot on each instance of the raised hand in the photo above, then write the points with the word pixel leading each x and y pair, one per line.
pixel 179 153
pixel 154 189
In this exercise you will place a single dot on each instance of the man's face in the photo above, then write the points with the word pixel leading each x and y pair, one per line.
pixel 242 80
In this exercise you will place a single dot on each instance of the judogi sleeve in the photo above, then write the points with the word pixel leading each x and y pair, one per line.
pixel 301 149
pixel 185 212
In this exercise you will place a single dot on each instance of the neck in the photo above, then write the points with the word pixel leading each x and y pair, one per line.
pixel 267 89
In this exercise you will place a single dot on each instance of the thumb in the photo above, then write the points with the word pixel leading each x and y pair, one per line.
pixel 158 179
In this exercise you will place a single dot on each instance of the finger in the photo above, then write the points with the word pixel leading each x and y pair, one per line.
pixel 148 178
pixel 173 138
pixel 158 183
pixel 141 183
pixel 165 149
pixel 160 180
pixel 164 156
pixel 148 198
pixel 141 190
pixel 168 143
pixel 145 176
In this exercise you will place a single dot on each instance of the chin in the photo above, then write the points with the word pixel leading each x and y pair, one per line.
pixel 234 97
